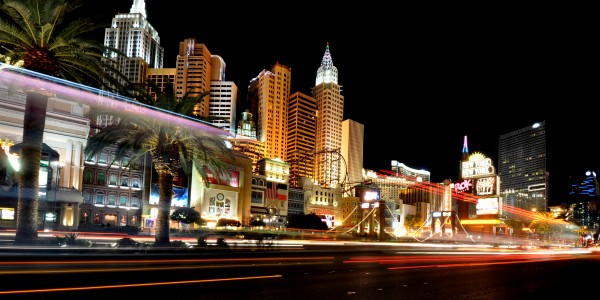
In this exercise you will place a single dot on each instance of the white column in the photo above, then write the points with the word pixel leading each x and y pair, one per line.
pixel 66 180
pixel 77 168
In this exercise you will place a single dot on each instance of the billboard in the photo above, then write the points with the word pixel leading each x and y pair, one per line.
pixel 232 180
pixel 486 186
pixel 180 196
pixel 487 206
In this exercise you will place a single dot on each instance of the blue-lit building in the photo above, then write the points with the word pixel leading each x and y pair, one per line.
pixel 584 201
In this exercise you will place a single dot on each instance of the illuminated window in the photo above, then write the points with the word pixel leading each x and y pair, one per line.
pixel 112 199
pixel 125 161
pixel 88 177
pixel 103 158
pixel 112 179
pixel 99 198
pixel 101 178
pixel 85 217
pixel 7 214
pixel 135 201
pixel 87 197
pixel 125 181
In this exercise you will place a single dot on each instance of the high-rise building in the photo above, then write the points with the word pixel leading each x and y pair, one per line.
pixel 353 138
pixel 194 70
pixel 302 124
pixel 132 34
pixel 584 201
pixel 223 97
pixel 270 91
pixel 330 110
pixel 522 171
pixel 162 77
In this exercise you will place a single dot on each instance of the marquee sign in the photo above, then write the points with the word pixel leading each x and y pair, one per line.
pixel 477 166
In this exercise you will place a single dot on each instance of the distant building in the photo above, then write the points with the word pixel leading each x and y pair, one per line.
pixel 133 35
pixel 353 139
pixel 522 170
pixel 583 207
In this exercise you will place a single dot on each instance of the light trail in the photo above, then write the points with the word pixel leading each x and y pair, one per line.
pixel 470 198
pixel 87 288
pixel 454 265
pixel 94 266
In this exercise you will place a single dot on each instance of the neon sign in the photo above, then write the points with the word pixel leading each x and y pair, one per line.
pixel 463 187
pixel 477 168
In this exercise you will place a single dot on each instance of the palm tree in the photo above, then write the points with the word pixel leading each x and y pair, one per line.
pixel 172 148
pixel 545 224
pixel 412 222
pixel 37 33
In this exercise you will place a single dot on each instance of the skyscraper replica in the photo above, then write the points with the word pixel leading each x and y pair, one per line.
pixel 268 94
pixel 522 171
pixel 223 97
pixel 194 69
pixel 133 35
pixel 330 110
pixel 353 139
pixel 302 124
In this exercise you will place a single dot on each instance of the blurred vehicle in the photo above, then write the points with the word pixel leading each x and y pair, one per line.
pixel 127 242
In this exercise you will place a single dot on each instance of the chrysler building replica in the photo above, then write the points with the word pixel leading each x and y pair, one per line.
pixel 330 109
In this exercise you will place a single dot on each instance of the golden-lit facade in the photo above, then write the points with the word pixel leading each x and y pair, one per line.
pixel 330 113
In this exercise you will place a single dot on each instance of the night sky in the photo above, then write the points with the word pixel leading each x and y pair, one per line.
pixel 418 79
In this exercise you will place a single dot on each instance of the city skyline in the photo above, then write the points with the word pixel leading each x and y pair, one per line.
pixel 427 85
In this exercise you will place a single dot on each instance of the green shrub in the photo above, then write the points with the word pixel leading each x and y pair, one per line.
pixel 180 244
pixel 72 239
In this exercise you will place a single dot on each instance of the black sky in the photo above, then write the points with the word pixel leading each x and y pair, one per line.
pixel 419 79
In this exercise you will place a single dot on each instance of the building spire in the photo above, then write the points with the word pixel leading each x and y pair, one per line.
pixel 327 72
pixel 465 150
pixel 138 7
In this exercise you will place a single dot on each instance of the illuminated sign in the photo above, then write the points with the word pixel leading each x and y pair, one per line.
pixel 480 222
pixel 437 214
pixel 487 206
pixel 367 194
pixel 476 168
pixel 463 187
pixel 486 186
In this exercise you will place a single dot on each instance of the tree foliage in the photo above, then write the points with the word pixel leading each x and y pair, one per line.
pixel 412 221
pixel 186 215
pixel 307 221
pixel 48 37
pixel 171 147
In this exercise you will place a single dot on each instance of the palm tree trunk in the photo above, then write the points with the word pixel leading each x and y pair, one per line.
pixel 34 123
pixel 165 195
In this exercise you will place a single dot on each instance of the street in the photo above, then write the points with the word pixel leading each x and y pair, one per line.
pixel 319 272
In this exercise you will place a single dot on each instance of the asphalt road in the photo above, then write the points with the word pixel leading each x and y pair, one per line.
pixel 315 272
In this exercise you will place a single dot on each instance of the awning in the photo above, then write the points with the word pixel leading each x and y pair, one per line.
pixel 259 210
pixel 48 152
